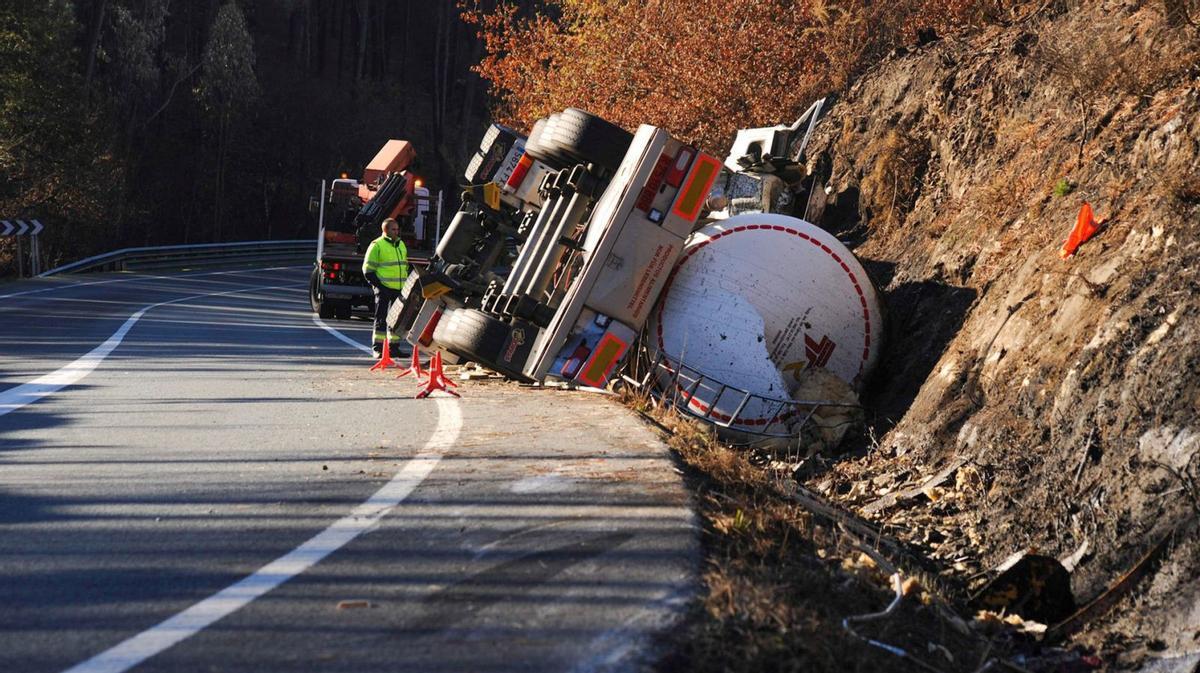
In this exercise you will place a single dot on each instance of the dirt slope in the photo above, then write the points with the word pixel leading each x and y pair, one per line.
pixel 1069 386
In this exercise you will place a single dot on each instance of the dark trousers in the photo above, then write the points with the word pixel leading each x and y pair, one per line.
pixel 384 296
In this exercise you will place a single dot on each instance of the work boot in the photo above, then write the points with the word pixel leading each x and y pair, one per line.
pixel 377 349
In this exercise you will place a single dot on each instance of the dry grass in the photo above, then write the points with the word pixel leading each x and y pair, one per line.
pixel 889 189
pixel 1182 188
pixel 1095 61
pixel 1181 13
pixel 777 580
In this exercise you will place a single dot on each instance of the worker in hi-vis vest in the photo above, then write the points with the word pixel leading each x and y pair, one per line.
pixel 385 267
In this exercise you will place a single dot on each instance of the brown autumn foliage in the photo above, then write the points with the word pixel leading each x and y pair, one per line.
pixel 700 68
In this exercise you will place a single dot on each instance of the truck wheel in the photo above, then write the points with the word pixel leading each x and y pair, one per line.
pixel 473 168
pixel 493 133
pixel 589 138
pixel 342 309
pixel 314 290
pixel 536 145
pixel 475 335
pixel 316 297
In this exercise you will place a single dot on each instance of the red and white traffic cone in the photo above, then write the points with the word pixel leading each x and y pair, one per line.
pixel 385 357
pixel 437 379
pixel 415 366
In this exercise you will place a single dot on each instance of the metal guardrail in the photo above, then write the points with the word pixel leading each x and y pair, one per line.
pixel 159 258
pixel 671 380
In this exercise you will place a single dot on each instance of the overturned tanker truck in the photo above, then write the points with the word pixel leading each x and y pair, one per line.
pixel 590 255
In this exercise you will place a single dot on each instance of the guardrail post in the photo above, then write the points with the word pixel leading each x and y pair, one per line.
pixel 35 252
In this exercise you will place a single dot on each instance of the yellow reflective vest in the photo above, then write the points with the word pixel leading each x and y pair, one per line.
pixel 388 260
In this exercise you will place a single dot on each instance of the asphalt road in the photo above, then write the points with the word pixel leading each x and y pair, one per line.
pixel 219 483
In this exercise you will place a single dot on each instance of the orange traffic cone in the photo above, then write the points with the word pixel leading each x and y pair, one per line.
pixel 435 369
pixel 1086 226
pixel 415 366
pixel 437 378
pixel 385 357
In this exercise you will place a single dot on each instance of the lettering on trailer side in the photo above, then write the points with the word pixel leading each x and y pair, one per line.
pixel 654 269
pixel 646 196
pixel 781 344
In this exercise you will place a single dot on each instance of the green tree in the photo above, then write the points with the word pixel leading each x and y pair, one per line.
pixel 138 46
pixel 54 165
pixel 228 92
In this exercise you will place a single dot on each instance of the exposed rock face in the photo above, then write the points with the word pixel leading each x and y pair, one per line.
pixel 1072 385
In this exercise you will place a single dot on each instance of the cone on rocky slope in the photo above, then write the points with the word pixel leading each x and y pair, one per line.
pixel 1086 225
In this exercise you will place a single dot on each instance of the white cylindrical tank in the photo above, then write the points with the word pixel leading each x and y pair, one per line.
pixel 772 305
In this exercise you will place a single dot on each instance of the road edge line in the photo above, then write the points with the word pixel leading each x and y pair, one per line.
pixel 22 395
pixel 345 339
pixel 133 651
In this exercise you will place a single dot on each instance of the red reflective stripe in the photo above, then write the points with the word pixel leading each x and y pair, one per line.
pixel 699 181
pixel 604 357
pixel 518 174
pixel 427 334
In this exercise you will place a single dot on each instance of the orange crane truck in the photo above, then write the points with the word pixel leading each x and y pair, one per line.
pixel 349 215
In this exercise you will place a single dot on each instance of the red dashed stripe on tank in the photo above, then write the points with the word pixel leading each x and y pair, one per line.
pixel 862 298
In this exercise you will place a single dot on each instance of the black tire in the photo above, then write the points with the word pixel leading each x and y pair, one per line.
pixel 489 137
pixel 536 147
pixel 341 309
pixel 477 336
pixel 472 334
pixel 589 139
pixel 497 132
pixel 314 290
pixel 473 168
pixel 316 297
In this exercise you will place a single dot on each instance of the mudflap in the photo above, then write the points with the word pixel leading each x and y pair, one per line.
pixel 517 347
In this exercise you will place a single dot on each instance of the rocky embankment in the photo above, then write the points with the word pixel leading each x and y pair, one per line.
pixel 1067 390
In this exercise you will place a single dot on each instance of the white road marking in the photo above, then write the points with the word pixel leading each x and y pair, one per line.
pixel 146 644
pixel 27 393
pixel 619 645
pixel 321 323
pixel 133 651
